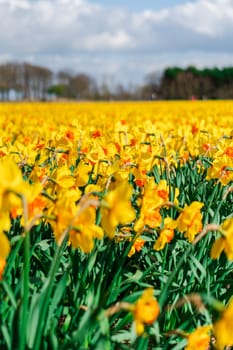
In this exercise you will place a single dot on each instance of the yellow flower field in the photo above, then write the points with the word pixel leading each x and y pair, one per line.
pixel 116 225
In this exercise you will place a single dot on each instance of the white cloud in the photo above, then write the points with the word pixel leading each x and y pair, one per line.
pixel 206 17
pixel 24 4
pixel 108 40
pixel 60 33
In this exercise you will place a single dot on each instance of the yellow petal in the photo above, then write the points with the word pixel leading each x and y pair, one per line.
pixel 217 248
pixel 5 246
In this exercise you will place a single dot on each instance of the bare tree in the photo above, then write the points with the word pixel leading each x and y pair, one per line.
pixel 9 79
pixel 82 86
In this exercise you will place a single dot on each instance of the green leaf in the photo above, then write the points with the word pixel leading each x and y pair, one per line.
pixel 6 336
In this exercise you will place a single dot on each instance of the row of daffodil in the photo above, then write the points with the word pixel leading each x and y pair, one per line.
pixel 118 139
pixel 60 202
pixel 71 167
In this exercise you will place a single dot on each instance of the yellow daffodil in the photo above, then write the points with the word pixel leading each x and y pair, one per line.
pixel 63 178
pixel 84 230
pixel 224 243
pixel 190 220
pixel 11 177
pixel 82 174
pixel 4 243
pixel 137 246
pixel 2 267
pixel 63 212
pixel 145 310
pixel 116 209
pixel 166 234
pixel 156 195
pixel 5 246
pixel 221 169
pixel 199 339
pixel 223 328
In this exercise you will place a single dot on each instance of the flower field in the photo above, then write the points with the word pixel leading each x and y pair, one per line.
pixel 116 225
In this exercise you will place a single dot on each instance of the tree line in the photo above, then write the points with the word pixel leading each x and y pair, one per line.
pixel 214 83
pixel 25 81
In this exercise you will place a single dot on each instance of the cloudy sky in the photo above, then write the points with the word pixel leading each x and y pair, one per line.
pixel 120 40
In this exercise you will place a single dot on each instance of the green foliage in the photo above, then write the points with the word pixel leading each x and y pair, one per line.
pixel 171 73
pixel 56 297
pixel 58 90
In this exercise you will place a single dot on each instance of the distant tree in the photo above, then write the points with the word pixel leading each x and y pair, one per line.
pixel 29 81
pixel 64 76
pixel 180 83
pixel 105 91
pixel 9 79
pixel 121 93
pixel 35 81
pixel 81 86
pixel 58 90
pixel 150 89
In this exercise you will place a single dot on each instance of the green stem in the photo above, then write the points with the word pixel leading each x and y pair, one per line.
pixel 221 202
pixel 215 191
pixel 203 246
pixel 163 295
pixel 47 195
pixel 25 284
pixel 46 293
pixel 164 257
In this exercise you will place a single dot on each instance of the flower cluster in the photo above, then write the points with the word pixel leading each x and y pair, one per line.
pixel 95 174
